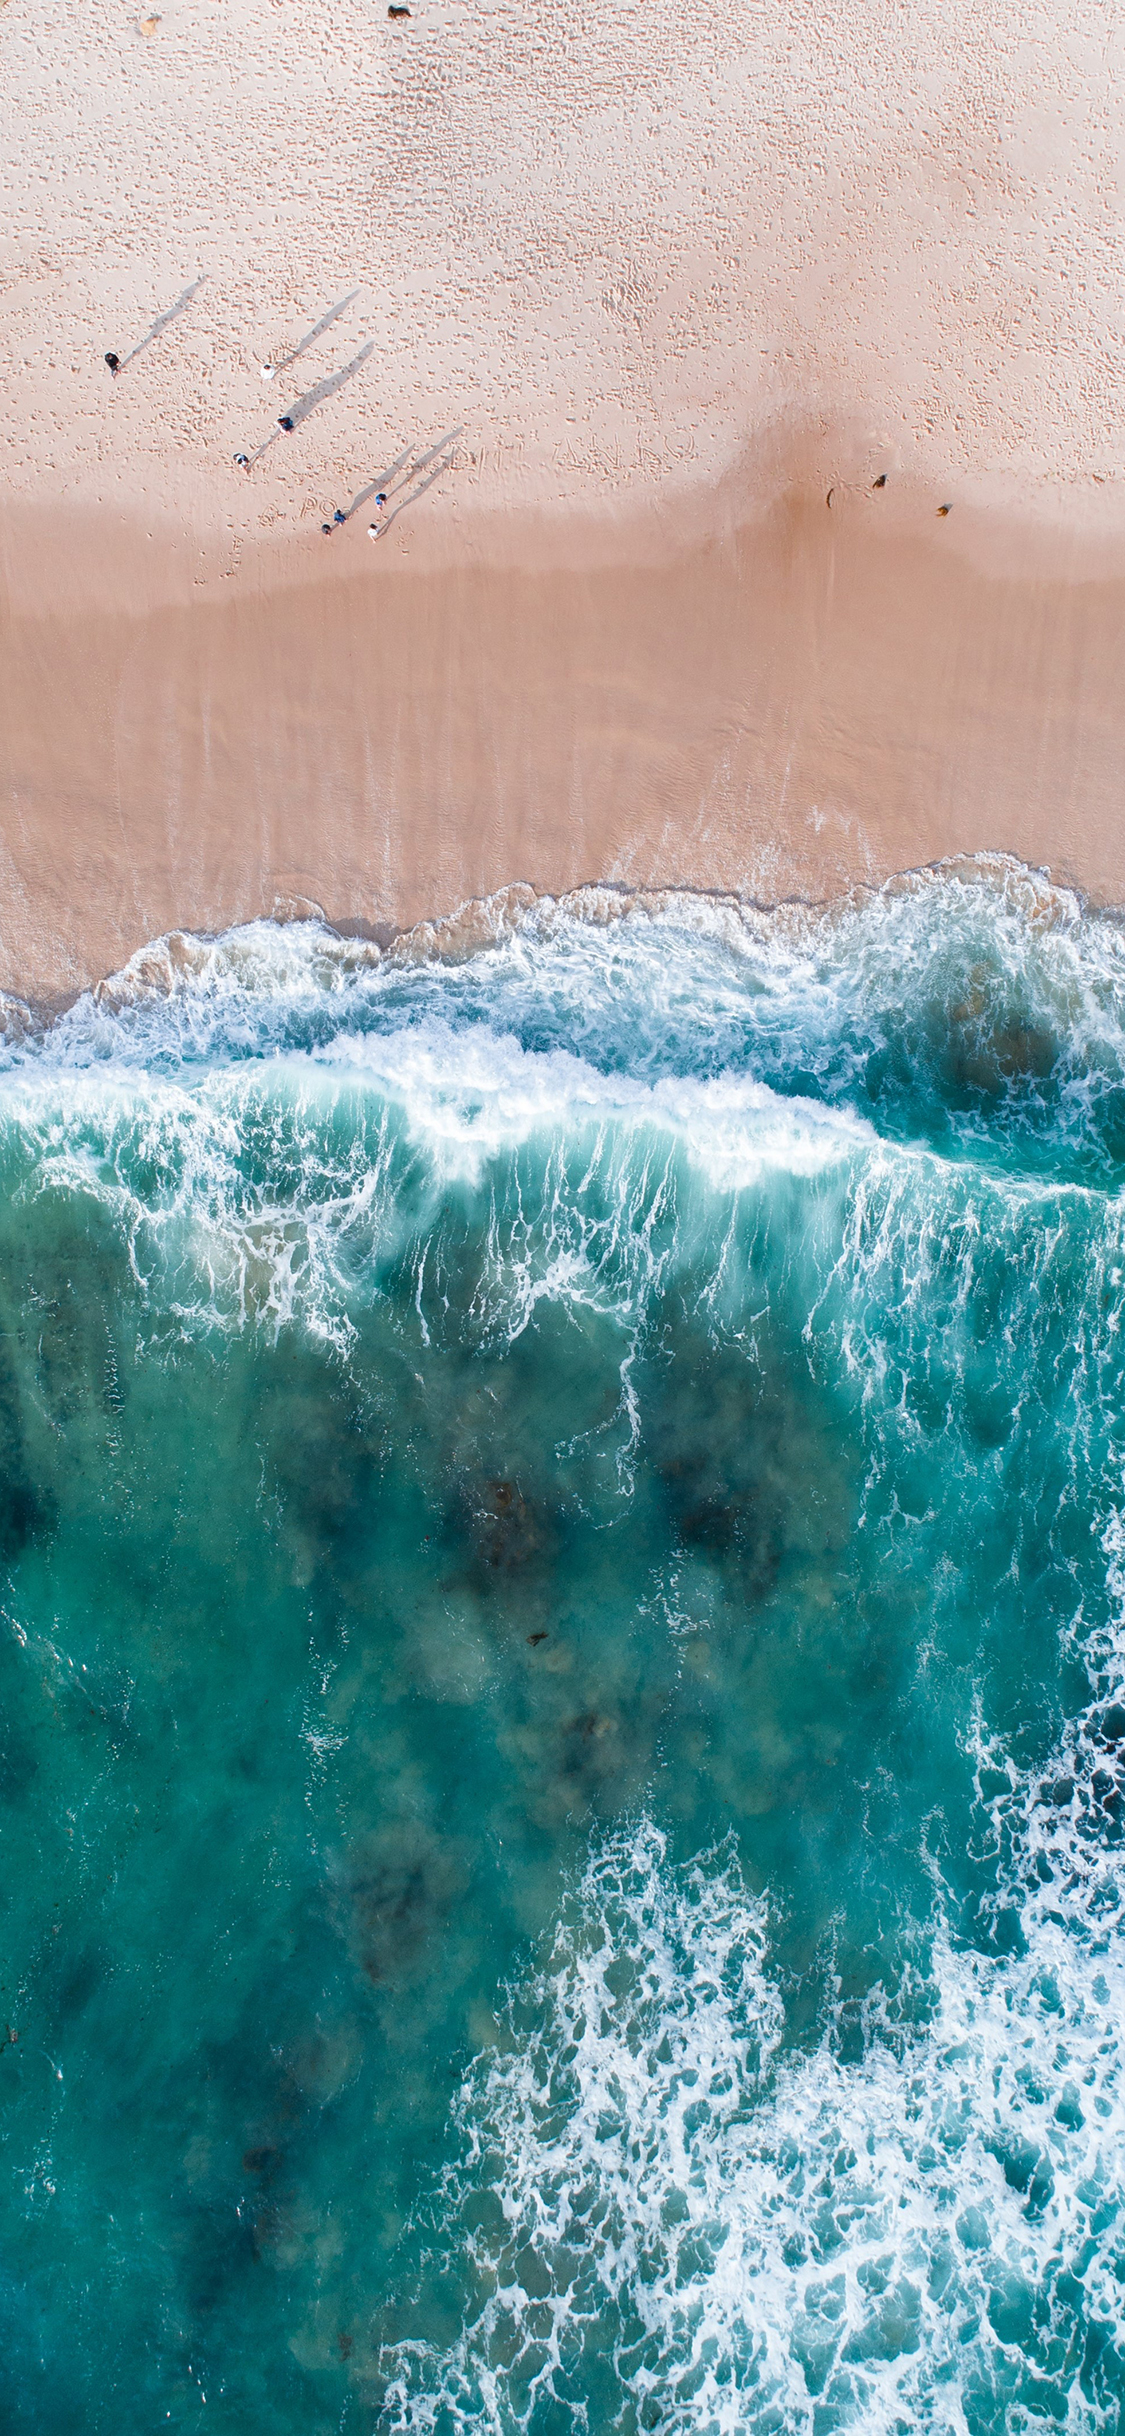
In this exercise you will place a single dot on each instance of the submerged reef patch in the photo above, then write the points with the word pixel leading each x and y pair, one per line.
pixel 562 1680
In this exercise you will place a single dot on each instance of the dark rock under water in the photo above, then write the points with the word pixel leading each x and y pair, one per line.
pixel 562 1684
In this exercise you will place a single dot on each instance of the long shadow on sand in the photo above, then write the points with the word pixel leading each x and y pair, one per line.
pixel 170 314
pixel 302 407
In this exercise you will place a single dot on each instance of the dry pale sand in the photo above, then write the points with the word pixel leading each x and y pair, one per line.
pixel 635 306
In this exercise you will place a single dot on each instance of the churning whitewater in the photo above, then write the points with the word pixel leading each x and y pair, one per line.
pixel 562 1515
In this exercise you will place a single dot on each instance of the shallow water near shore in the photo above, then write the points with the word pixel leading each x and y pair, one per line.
pixel 563 1663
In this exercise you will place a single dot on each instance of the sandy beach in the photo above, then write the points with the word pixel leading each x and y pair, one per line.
pixel 670 338
pixel 562 1525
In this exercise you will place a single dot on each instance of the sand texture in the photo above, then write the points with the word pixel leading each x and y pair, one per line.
pixel 629 310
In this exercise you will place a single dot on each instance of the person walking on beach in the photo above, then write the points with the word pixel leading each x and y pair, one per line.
pixel 374 530
pixel 114 362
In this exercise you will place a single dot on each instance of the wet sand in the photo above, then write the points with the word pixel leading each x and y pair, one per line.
pixel 775 704
pixel 617 304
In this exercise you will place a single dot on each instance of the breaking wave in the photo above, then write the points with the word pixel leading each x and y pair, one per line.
pixel 668 1359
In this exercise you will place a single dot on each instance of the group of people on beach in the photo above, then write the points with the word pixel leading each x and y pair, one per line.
pixel 341 515
pixel 285 422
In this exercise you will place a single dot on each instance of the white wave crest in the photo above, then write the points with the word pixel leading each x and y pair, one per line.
pixel 276 1192
pixel 471 1095
pixel 673 2220
pixel 968 934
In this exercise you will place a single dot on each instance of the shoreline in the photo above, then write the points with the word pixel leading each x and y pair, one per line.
pixel 671 341
pixel 161 966
pixel 744 690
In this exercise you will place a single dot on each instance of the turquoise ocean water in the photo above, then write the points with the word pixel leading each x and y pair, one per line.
pixel 562 1677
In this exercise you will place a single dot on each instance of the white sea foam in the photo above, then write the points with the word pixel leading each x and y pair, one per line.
pixel 273 1192
pixel 473 1095
pixel 741 2236
pixel 959 937
pixel 278 1191
pixel 696 2227
pixel 933 1002
pixel 753 2240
